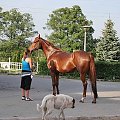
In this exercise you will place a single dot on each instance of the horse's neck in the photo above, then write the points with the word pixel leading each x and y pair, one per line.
pixel 48 50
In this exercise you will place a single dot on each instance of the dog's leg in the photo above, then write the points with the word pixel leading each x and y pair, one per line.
pixel 48 113
pixel 61 113
pixel 62 108
pixel 43 114
pixel 43 111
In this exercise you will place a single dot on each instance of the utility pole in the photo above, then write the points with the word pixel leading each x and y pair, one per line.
pixel 85 29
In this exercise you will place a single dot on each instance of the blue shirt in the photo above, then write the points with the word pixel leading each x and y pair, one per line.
pixel 25 65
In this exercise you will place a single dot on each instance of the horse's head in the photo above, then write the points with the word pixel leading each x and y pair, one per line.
pixel 36 44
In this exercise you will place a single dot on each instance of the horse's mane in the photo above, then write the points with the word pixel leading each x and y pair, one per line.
pixel 50 44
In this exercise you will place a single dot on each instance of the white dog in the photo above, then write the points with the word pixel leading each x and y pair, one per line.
pixel 51 102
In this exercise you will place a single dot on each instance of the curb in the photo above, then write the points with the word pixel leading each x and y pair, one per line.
pixel 67 118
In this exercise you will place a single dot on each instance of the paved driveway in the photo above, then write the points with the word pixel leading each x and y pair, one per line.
pixel 12 107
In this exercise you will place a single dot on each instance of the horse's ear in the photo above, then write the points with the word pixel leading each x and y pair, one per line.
pixel 39 36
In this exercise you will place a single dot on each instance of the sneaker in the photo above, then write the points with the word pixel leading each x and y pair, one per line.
pixel 28 99
pixel 23 97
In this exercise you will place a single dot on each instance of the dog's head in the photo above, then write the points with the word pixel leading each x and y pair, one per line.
pixel 73 103
pixel 67 101
pixel 70 102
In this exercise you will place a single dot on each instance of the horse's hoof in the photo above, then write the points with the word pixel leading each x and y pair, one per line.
pixel 94 102
pixel 54 94
pixel 81 101
pixel 97 96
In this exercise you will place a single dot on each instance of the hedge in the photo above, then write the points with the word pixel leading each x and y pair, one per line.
pixel 104 70
pixel 108 70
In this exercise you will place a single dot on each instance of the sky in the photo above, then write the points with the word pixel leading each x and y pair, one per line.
pixel 99 11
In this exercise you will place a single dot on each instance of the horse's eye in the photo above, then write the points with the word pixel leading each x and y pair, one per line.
pixel 36 41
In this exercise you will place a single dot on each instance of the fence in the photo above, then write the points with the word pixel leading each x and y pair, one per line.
pixel 10 66
pixel 15 67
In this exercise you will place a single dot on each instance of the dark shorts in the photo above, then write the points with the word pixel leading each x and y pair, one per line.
pixel 26 82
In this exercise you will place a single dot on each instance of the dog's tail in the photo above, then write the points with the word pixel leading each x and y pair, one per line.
pixel 38 107
pixel 42 105
pixel 45 99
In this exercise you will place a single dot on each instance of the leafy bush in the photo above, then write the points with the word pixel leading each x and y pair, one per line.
pixel 43 69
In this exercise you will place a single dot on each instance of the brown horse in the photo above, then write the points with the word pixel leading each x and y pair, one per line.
pixel 59 61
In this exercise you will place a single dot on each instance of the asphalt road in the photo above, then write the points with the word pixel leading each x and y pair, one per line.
pixel 12 107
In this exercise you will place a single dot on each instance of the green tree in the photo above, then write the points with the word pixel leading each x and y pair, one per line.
pixel 67 29
pixel 1 26
pixel 108 47
pixel 16 29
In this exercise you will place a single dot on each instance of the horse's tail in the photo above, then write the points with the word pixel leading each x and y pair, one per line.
pixel 92 75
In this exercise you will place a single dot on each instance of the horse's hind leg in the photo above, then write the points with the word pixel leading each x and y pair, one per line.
pixel 94 89
pixel 84 82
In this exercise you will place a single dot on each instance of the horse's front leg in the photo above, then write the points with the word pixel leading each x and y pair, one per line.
pixel 55 81
pixel 84 87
